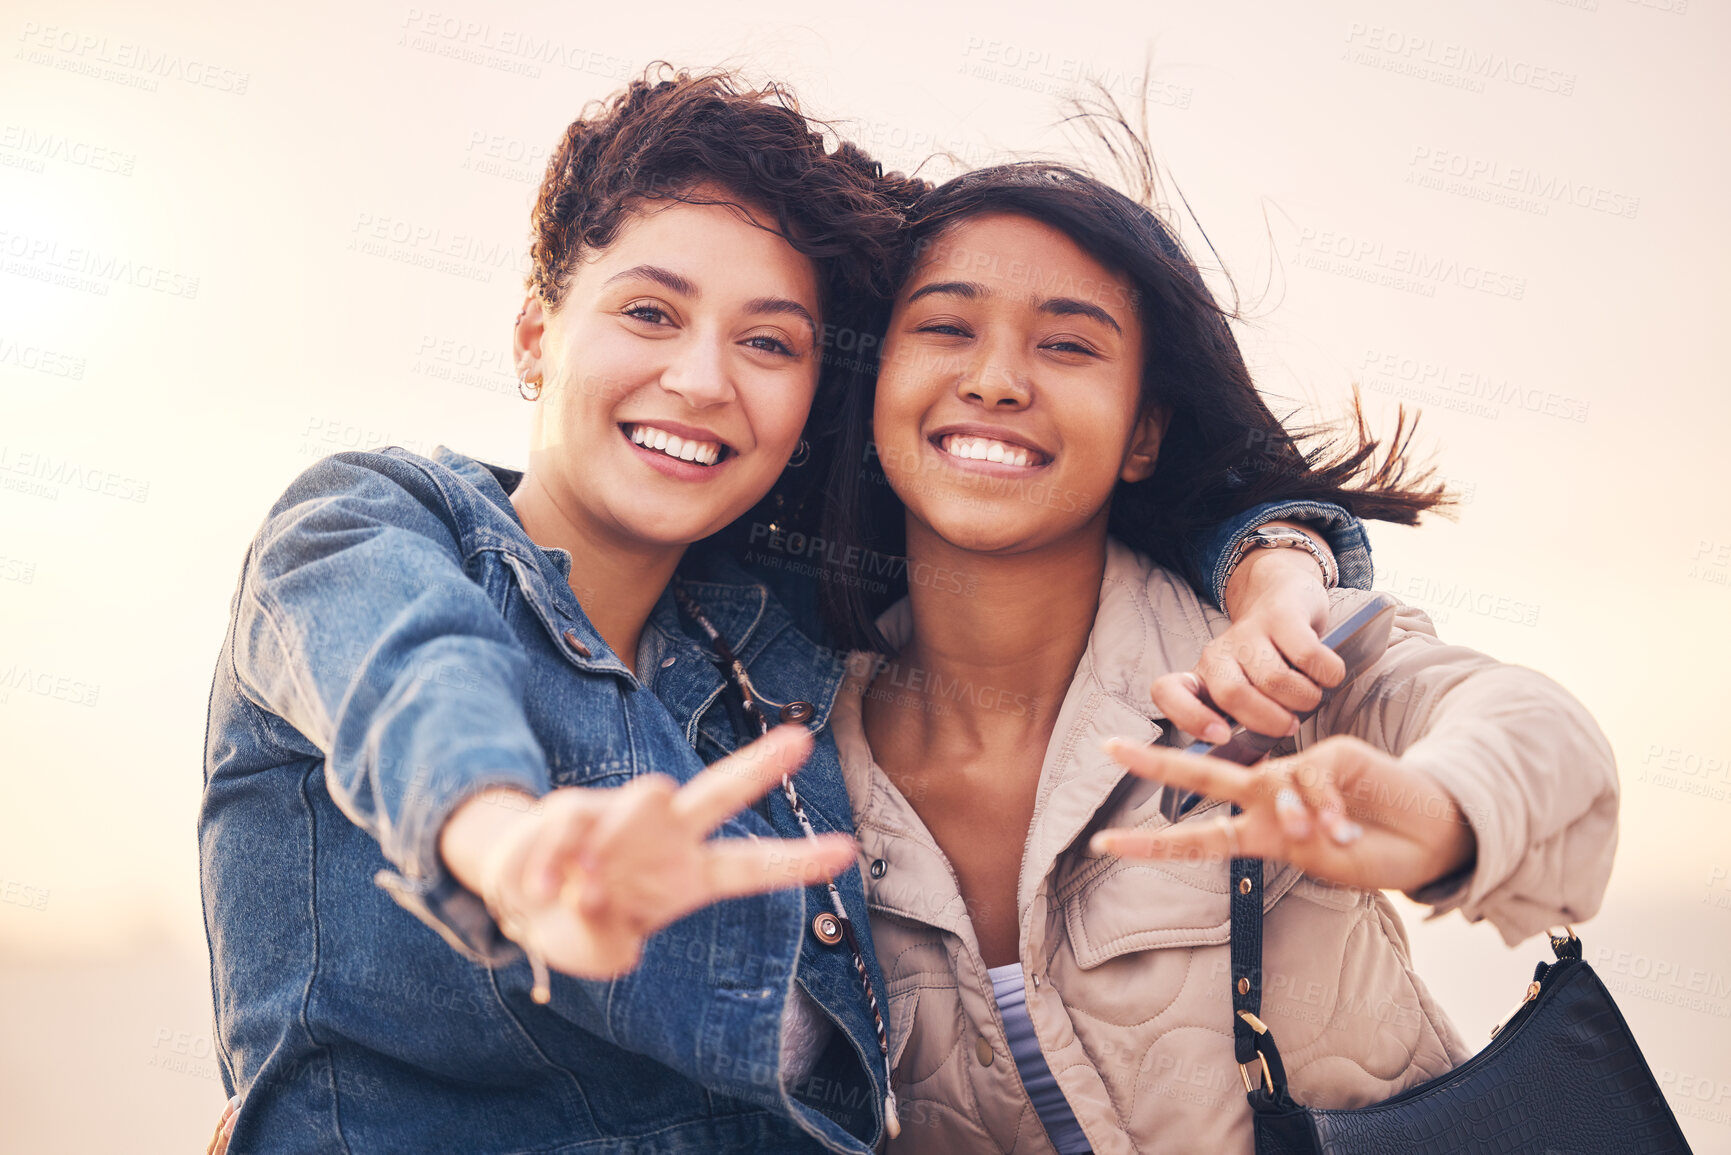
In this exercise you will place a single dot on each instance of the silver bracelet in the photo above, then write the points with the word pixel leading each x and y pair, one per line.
pixel 1279 537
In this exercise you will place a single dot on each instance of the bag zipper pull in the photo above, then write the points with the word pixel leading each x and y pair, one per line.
pixel 1532 993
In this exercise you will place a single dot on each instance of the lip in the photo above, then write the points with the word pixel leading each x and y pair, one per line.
pixel 672 466
pixel 996 433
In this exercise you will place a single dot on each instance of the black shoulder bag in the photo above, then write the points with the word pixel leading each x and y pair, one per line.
pixel 1561 1075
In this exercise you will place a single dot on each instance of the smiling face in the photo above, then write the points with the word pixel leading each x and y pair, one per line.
pixel 677 374
pixel 1009 399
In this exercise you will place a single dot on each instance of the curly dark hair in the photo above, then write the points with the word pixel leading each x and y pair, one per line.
pixel 671 131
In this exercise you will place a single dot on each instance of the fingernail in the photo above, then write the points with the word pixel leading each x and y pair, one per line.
pixel 1293 816
pixel 1292 730
pixel 1102 844
pixel 1348 833
pixel 1216 733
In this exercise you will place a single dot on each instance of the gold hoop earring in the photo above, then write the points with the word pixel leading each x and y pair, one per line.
pixel 529 390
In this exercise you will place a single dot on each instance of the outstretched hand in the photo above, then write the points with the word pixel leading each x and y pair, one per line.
pixel 1341 810
pixel 583 876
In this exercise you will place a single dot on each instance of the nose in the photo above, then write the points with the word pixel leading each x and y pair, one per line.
pixel 996 383
pixel 698 373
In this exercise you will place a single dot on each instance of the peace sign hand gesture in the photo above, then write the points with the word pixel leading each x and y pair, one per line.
pixel 582 877
pixel 1341 810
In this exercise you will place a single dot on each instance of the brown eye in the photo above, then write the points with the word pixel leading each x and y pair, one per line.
pixel 649 314
pixel 770 345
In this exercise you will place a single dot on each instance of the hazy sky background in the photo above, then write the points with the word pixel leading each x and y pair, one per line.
pixel 232 242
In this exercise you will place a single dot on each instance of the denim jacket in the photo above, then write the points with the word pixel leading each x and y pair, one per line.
pixel 396 644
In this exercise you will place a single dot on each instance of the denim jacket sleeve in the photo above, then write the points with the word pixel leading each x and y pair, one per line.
pixel 356 623
pixel 1213 547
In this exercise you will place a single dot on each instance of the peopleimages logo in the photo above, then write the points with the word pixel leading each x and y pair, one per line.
pixel 1522 186
pixel 37 148
pixel 1462 388
pixel 503 49
pixel 47 472
pixel 88 269
pixel 429 247
pixel 1447 62
pixel 1413 270
pixel 121 61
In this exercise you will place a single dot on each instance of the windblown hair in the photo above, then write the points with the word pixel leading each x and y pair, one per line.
pixel 1223 452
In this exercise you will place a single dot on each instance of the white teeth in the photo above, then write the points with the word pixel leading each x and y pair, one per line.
pixel 685 449
pixel 986 449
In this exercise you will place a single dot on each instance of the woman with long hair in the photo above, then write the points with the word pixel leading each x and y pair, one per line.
pixel 1060 403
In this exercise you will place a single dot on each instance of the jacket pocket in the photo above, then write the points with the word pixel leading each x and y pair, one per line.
pixel 903 1007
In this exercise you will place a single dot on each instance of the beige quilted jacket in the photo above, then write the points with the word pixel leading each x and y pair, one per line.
pixel 1126 963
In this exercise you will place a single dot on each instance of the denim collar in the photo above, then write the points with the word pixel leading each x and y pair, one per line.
pixel 731 600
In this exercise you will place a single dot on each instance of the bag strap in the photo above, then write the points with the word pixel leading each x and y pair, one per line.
pixel 1245 879
pixel 1258 1059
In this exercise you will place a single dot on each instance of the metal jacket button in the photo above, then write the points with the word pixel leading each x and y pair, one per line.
pixel 827 927
pixel 798 712
pixel 576 643
pixel 878 867
pixel 983 1051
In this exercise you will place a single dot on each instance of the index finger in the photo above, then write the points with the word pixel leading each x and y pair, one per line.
pixel 730 785
pixel 1179 697
pixel 1303 648
pixel 737 867
pixel 1199 773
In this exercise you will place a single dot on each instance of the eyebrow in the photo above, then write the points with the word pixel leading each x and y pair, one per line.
pixel 1070 307
pixel 666 278
pixel 1055 306
pixel 971 290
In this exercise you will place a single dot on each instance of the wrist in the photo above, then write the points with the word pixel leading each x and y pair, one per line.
pixel 1267 571
pixel 479 830
pixel 1461 857
pixel 1277 538
pixel 1456 853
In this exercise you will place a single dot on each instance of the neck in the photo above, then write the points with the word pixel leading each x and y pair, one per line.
pixel 617 579
pixel 1018 624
